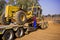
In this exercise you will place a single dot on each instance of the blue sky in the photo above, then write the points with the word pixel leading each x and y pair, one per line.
pixel 50 6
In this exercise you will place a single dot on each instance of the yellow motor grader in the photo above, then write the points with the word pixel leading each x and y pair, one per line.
pixel 17 14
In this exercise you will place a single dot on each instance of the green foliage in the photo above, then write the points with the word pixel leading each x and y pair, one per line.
pixel 2 5
pixel 22 2
pixel 11 2
pixel 25 3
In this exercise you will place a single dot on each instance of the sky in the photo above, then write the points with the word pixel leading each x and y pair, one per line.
pixel 49 6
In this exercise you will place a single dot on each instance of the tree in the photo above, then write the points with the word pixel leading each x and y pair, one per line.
pixel 2 6
pixel 25 3
pixel 11 2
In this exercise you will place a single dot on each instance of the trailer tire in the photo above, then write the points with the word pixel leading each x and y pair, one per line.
pixel 19 32
pixel 20 17
pixel 8 35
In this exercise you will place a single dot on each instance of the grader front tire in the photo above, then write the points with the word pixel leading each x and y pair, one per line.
pixel 44 25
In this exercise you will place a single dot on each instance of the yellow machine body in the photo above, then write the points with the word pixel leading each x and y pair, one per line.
pixel 10 11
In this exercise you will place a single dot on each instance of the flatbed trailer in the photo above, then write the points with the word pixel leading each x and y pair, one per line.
pixel 8 31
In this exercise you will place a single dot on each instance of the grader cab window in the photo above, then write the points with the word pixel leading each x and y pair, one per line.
pixel 34 9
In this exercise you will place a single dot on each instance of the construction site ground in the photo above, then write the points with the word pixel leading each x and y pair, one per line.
pixel 50 33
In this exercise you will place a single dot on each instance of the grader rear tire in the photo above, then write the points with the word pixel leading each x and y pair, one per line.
pixel 3 20
pixel 20 17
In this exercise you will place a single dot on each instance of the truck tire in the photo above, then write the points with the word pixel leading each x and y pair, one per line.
pixel 8 35
pixel 19 32
pixel 44 25
pixel 3 20
pixel 20 17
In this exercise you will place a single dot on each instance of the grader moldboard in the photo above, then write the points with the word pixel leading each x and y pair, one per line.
pixel 16 20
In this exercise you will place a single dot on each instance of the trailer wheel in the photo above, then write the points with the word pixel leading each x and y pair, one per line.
pixel 44 25
pixel 8 35
pixel 19 32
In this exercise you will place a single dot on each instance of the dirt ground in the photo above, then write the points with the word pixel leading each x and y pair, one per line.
pixel 51 33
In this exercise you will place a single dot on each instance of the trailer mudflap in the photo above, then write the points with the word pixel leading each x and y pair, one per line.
pixel 2 31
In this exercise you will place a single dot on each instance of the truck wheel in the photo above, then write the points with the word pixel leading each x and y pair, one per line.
pixel 3 20
pixel 8 35
pixel 19 32
pixel 44 25
pixel 20 17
